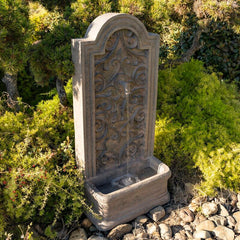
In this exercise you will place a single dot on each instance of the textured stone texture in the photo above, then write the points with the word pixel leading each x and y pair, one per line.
pixel 119 231
pixel 114 98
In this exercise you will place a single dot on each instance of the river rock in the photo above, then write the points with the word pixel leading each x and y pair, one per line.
pixel 224 233
pixel 138 231
pixel 188 228
pixel 223 211
pixel 199 218
pixel 141 219
pixel 219 220
pixel 236 216
pixel 209 208
pixel 231 221
pixel 86 223
pixel 186 215
pixel 206 225
pixel 237 238
pixel 119 231
pixel 129 236
pixel 78 234
pixel 201 234
pixel 237 228
pixel 151 228
pixel 157 213
pixel 165 231
pixel 180 236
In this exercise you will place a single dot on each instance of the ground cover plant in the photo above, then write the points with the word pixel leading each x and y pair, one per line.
pixel 40 183
pixel 198 126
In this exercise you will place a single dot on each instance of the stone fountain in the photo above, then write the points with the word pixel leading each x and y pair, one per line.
pixel 114 98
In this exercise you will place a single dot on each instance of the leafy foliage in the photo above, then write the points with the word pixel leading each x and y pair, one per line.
pixel 201 119
pixel 39 180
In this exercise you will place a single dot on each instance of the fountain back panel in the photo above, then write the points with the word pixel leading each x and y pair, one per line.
pixel 115 90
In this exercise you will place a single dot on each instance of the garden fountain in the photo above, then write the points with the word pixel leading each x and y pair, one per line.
pixel 114 98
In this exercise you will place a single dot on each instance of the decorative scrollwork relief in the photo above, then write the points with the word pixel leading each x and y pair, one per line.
pixel 120 100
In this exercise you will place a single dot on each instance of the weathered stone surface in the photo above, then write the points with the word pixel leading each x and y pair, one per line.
pixel 209 208
pixel 224 233
pixel 206 225
pixel 165 231
pixel 157 213
pixel 180 236
pixel 186 215
pixel 119 231
pixel 78 234
pixel 236 216
pixel 237 238
pixel 201 234
pixel 115 92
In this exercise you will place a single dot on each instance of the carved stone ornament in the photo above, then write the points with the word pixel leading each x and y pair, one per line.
pixel 114 94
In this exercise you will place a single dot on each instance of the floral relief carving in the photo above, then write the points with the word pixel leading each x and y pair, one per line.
pixel 120 100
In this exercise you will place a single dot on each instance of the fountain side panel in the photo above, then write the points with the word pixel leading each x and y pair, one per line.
pixel 115 91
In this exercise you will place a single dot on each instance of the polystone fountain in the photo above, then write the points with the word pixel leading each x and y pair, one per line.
pixel 114 98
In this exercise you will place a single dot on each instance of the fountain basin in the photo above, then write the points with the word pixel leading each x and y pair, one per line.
pixel 116 204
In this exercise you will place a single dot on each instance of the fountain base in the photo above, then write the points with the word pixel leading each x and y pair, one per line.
pixel 119 197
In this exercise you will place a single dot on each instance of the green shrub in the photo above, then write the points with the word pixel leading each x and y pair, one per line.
pixel 39 180
pixel 200 117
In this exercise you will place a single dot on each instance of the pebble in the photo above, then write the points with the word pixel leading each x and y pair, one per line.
pixel 206 225
pixel 186 215
pixel 141 219
pixel 219 220
pixel 231 221
pixel 224 233
pixel 78 234
pixel 223 211
pixel 236 216
pixel 151 228
pixel 209 208
pixel 202 234
pixel 237 228
pixel 86 223
pixel 180 236
pixel 165 231
pixel 129 236
pixel 157 213
pixel 199 218
pixel 119 231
